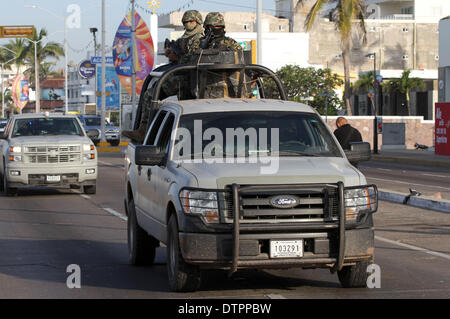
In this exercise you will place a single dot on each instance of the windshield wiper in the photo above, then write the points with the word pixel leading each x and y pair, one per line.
pixel 293 153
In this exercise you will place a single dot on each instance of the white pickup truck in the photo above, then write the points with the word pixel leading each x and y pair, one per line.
pixel 238 183
pixel 47 150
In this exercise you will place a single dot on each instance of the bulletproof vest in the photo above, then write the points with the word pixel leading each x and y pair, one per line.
pixel 220 74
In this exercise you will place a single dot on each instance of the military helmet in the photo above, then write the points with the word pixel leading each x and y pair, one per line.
pixel 192 15
pixel 215 19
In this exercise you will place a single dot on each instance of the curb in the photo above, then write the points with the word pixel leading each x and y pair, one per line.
pixel 408 160
pixel 440 206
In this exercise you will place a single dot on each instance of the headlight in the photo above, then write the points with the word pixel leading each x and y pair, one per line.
pixel 201 203
pixel 88 147
pixel 15 149
pixel 359 201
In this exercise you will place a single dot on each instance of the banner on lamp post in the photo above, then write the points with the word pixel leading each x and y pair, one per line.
pixel 20 91
pixel 144 52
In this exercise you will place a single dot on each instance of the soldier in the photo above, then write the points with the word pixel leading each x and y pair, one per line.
pixel 172 52
pixel 192 22
pixel 215 34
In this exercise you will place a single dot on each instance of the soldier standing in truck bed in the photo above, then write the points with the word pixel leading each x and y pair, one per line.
pixel 215 35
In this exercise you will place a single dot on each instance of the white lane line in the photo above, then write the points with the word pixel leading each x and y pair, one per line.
pixel 427 251
pixel 275 296
pixel 85 196
pixel 384 169
pixel 408 183
pixel 114 213
pixel 434 175
pixel 111 165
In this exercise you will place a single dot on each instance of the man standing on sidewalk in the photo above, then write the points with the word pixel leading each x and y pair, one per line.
pixel 345 133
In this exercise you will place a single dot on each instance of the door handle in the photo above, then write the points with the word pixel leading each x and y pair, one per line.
pixel 139 169
pixel 149 174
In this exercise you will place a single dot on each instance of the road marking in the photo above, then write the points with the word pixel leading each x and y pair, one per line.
pixel 385 169
pixel 85 196
pixel 408 183
pixel 427 251
pixel 114 213
pixel 275 296
pixel 434 175
pixel 111 165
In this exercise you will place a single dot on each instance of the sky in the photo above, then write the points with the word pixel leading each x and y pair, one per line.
pixel 50 15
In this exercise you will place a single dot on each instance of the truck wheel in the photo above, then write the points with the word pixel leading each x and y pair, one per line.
pixel 90 189
pixel 183 277
pixel 141 246
pixel 7 191
pixel 354 276
pixel 115 143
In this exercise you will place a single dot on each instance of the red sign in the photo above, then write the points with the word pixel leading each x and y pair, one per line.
pixel 442 129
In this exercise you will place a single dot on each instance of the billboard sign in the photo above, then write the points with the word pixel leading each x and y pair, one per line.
pixel 112 89
pixel 144 56
pixel 98 60
pixel 86 69
pixel 20 91
pixel 442 129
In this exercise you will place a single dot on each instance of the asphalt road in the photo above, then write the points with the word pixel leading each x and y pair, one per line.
pixel 428 180
pixel 43 231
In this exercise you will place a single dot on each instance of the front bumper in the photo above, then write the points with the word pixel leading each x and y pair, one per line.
pixel 325 244
pixel 36 176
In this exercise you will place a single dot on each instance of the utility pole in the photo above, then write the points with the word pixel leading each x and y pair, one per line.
pixel 103 77
pixel 133 62
pixel 375 124
pixel 259 32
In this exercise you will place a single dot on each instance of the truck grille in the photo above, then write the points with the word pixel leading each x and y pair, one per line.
pixel 52 154
pixel 315 205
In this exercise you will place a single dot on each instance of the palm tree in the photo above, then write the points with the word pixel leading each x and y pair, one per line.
pixel 404 85
pixel 20 49
pixel 344 15
pixel 43 52
pixel 365 83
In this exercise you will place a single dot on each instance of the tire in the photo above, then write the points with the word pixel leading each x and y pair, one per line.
pixel 141 246
pixel 115 143
pixel 90 189
pixel 183 277
pixel 7 191
pixel 354 276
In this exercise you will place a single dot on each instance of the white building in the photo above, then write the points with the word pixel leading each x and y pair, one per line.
pixel 444 60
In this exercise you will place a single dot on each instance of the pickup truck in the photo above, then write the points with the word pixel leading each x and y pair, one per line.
pixel 239 183
pixel 47 150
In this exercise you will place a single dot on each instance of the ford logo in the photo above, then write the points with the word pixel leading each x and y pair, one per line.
pixel 284 201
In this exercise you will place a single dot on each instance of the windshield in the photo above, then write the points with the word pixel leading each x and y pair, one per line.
pixel 49 126
pixel 94 121
pixel 260 133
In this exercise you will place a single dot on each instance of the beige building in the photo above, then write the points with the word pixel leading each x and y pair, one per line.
pixel 401 35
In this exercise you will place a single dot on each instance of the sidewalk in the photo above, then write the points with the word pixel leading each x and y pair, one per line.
pixel 415 157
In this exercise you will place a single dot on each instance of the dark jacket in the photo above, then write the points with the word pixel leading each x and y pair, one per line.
pixel 347 134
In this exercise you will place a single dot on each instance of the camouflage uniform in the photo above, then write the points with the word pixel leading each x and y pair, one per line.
pixel 191 38
pixel 216 39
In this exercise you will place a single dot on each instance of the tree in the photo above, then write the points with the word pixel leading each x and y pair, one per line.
pixel 20 49
pixel 404 85
pixel 365 83
pixel 43 52
pixel 344 15
pixel 308 85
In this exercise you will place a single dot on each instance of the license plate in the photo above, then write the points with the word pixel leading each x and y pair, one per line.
pixel 286 248
pixel 53 178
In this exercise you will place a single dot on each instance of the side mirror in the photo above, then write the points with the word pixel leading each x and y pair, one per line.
pixel 359 152
pixel 92 133
pixel 149 155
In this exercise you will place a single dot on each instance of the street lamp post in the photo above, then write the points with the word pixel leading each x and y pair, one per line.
pixel 36 76
pixel 2 70
pixel 375 124
pixel 65 51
